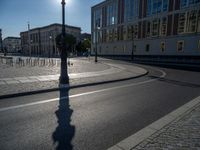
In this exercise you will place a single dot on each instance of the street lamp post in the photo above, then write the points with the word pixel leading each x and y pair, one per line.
pixel 50 39
pixel 64 78
pixel 133 45
pixel 97 28
pixel 29 40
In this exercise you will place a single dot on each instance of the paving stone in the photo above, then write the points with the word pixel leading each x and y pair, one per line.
pixel 2 83
pixel 42 78
pixel 12 82
pixel 181 134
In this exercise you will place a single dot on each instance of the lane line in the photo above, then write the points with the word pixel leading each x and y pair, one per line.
pixel 82 94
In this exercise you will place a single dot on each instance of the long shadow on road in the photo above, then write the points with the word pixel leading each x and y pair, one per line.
pixel 64 132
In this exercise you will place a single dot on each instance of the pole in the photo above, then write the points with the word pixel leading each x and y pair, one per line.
pixel 96 46
pixel 29 43
pixel 64 78
pixel 133 46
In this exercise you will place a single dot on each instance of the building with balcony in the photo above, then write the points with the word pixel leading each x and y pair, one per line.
pixel 147 29
pixel 12 44
pixel 42 41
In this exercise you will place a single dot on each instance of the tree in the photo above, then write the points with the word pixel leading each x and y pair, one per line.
pixel 83 46
pixel 69 41
pixel 87 44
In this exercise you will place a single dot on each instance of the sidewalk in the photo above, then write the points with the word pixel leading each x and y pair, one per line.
pixel 179 130
pixel 15 80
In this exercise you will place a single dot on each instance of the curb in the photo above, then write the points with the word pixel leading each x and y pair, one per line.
pixel 70 87
pixel 132 141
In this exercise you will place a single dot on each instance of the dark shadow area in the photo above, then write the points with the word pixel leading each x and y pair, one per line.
pixel 175 82
pixel 64 132
pixel 187 66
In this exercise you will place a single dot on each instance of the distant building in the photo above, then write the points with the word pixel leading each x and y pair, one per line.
pixel 12 44
pixel 147 28
pixel 1 41
pixel 41 41
pixel 85 36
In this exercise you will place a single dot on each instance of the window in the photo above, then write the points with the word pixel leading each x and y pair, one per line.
pixel 148 30
pixel 112 14
pixel 131 9
pixel 104 36
pixel 115 34
pixel 154 9
pixel 110 35
pixel 164 26
pixel 197 1
pixel 180 46
pixel 149 4
pixel 157 6
pixel 155 27
pixel 162 46
pixel 181 23
pixel 165 5
pixel 198 26
pixel 107 35
pixel 125 33
pixel 129 32
pixel 191 2
pixel 192 20
pixel 183 3
pixel 147 47
pixel 132 32
pixel 186 3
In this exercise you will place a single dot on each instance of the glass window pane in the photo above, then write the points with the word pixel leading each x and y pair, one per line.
pixel 165 5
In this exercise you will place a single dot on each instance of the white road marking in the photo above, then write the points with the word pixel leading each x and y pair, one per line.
pixel 82 94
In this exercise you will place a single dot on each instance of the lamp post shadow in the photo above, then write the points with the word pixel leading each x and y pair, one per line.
pixel 64 132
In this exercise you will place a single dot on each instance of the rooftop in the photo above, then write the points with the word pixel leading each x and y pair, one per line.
pixel 12 37
pixel 54 24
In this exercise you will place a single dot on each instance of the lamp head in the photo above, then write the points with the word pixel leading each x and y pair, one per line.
pixel 63 2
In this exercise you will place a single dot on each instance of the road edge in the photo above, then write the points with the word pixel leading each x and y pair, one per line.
pixel 135 139
pixel 70 87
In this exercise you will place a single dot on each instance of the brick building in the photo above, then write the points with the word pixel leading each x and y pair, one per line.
pixel 164 29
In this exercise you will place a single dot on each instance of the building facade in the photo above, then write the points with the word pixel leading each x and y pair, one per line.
pixel 12 44
pixel 42 41
pixel 146 28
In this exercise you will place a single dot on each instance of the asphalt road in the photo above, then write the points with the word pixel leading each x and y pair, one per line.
pixel 95 117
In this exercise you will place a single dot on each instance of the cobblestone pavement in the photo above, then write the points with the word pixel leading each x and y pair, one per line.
pixel 41 78
pixel 29 79
pixel 181 134
pixel 79 66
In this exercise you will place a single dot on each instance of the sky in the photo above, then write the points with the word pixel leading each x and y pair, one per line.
pixel 15 14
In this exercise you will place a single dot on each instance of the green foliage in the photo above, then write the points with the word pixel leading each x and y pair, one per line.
pixel 83 46
pixel 69 41
pixel 87 44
